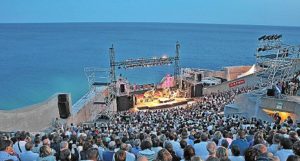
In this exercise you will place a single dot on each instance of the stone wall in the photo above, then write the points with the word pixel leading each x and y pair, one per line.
pixel 32 118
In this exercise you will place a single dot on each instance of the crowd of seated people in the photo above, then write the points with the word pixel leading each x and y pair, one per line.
pixel 195 133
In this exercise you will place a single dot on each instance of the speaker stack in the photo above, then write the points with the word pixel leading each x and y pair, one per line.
pixel 63 106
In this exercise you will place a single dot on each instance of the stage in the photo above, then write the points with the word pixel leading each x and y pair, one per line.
pixel 157 104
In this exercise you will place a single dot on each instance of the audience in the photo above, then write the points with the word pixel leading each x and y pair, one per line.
pixel 193 133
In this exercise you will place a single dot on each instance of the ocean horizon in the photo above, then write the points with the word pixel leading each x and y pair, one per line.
pixel 38 60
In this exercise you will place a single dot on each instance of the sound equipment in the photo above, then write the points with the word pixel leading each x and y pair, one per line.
pixel 199 77
pixel 192 91
pixel 122 88
pixel 63 106
pixel 270 92
pixel 124 103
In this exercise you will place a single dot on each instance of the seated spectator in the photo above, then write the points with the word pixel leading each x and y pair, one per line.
pixel 93 154
pixel 286 145
pixel 236 154
pixel 142 158
pixel 120 155
pixel 109 153
pixel 212 149
pixel 293 158
pixel 146 150
pixel 296 148
pixel 155 146
pixel 164 155
pixel 45 154
pixel 179 153
pixel 251 154
pixel 29 155
pixel 19 146
pixel 129 156
pixel 275 146
pixel 86 146
pixel 241 142
pixel 222 154
pixel 169 147
pixel 46 142
pixel 200 148
pixel 188 153
pixel 136 147
pixel 65 155
pixel 6 151
pixel 37 145
pixel 196 158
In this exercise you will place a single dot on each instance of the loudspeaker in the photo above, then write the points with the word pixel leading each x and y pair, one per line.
pixel 63 106
pixel 124 103
pixel 199 77
pixel 270 92
pixel 122 88
pixel 192 91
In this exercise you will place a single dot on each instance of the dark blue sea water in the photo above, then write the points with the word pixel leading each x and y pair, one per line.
pixel 38 60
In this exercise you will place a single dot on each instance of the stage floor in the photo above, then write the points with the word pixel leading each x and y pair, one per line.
pixel 157 105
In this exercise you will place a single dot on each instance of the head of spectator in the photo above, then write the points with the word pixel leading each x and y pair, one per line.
pixel 262 149
pixel 276 138
pixel 188 152
pixel 241 134
pixel 142 158
pixel 64 145
pixel 224 143
pixel 65 155
pixel 45 151
pixel 235 150
pixel 258 138
pixel 146 144
pixel 293 136
pixel 211 148
pixel 212 158
pixel 124 147
pixel 137 143
pixel 6 145
pixel 37 141
pixel 296 148
pixel 28 146
pixel 112 145
pixel 47 142
pixel 204 137
pixel 120 155
pixel 251 154
pixel 164 155
pixel 286 143
pixel 196 158
pixel 222 153
pixel 93 154
pixel 169 147
pixel 293 158
pixel 183 144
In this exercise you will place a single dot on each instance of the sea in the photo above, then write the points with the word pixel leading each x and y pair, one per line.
pixel 39 60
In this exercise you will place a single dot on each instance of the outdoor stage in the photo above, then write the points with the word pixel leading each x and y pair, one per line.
pixel 159 98
pixel 157 104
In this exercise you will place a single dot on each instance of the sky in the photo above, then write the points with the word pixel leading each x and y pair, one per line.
pixel 249 12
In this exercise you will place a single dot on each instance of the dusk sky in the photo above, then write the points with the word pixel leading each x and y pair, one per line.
pixel 253 12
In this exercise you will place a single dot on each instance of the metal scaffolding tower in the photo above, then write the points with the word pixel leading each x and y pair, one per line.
pixel 176 65
pixel 275 59
pixel 138 63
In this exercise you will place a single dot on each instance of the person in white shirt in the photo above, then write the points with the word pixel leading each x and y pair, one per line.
pixel 275 146
pixel 28 155
pixel 200 148
pixel 236 154
pixel 175 144
pixel 19 146
pixel 286 150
